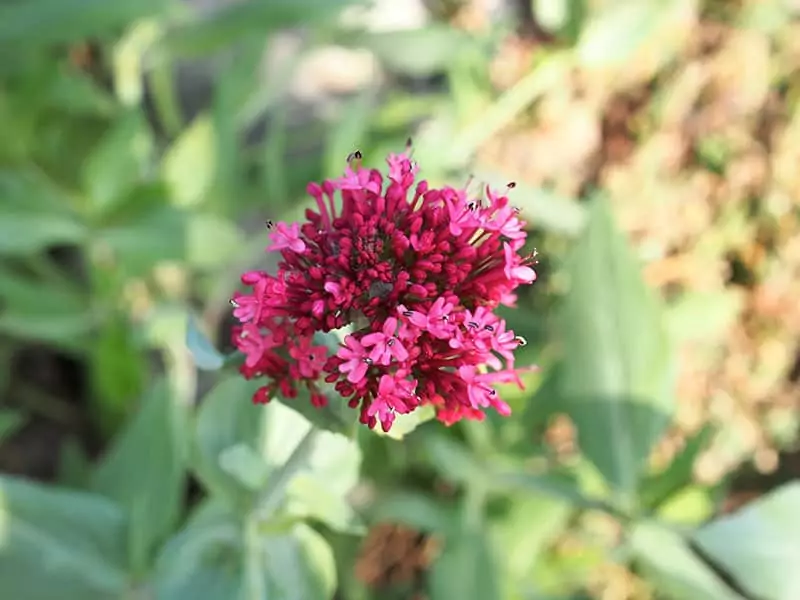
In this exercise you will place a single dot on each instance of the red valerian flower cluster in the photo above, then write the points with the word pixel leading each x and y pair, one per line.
pixel 415 272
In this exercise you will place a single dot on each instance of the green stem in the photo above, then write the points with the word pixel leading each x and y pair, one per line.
pixel 272 496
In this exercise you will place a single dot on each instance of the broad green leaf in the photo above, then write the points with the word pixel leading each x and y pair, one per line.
pixel 668 562
pixel 10 422
pixel 205 355
pixel 296 566
pixel 143 230
pixel 204 560
pixel 617 374
pixel 759 546
pixel 211 559
pixel 189 164
pixel 310 498
pixel 118 162
pixel 227 417
pixel 244 464
pixel 234 22
pixel 43 22
pixel 465 569
pixel 51 539
pixel 330 472
pixel 34 214
pixel 144 470
pixel 54 313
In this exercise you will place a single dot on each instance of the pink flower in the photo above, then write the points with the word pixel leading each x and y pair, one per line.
pixel 385 344
pixel 416 272
pixel 287 237
pixel 355 360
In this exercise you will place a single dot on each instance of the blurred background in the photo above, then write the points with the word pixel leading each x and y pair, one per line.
pixel 655 145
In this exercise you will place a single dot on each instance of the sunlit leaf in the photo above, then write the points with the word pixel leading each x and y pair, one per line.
pixel 118 162
pixel 759 546
pixel 329 472
pixel 669 563
pixel 189 164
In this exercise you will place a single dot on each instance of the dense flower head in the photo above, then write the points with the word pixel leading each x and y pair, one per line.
pixel 414 272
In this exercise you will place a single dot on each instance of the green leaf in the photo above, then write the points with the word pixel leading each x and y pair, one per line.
pixel 189 164
pixel 211 559
pixel 57 540
pixel 118 372
pixel 668 562
pixel 331 471
pixel 531 523
pixel 143 230
pixel 617 373
pixel 415 510
pixel 659 488
pixel 465 569
pixel 54 313
pixel 43 22
pixel 759 546
pixel 296 566
pixel 118 162
pixel 234 22
pixel 206 356
pixel 10 422
pixel 204 560
pixel 245 465
pixel 34 214
pixel 227 417
pixel 144 470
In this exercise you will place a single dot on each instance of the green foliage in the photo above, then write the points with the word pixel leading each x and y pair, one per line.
pixel 122 212
pixel 616 379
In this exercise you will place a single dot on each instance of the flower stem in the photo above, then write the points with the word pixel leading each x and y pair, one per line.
pixel 271 498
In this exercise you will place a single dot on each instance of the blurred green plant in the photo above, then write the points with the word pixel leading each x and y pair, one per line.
pixel 146 205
